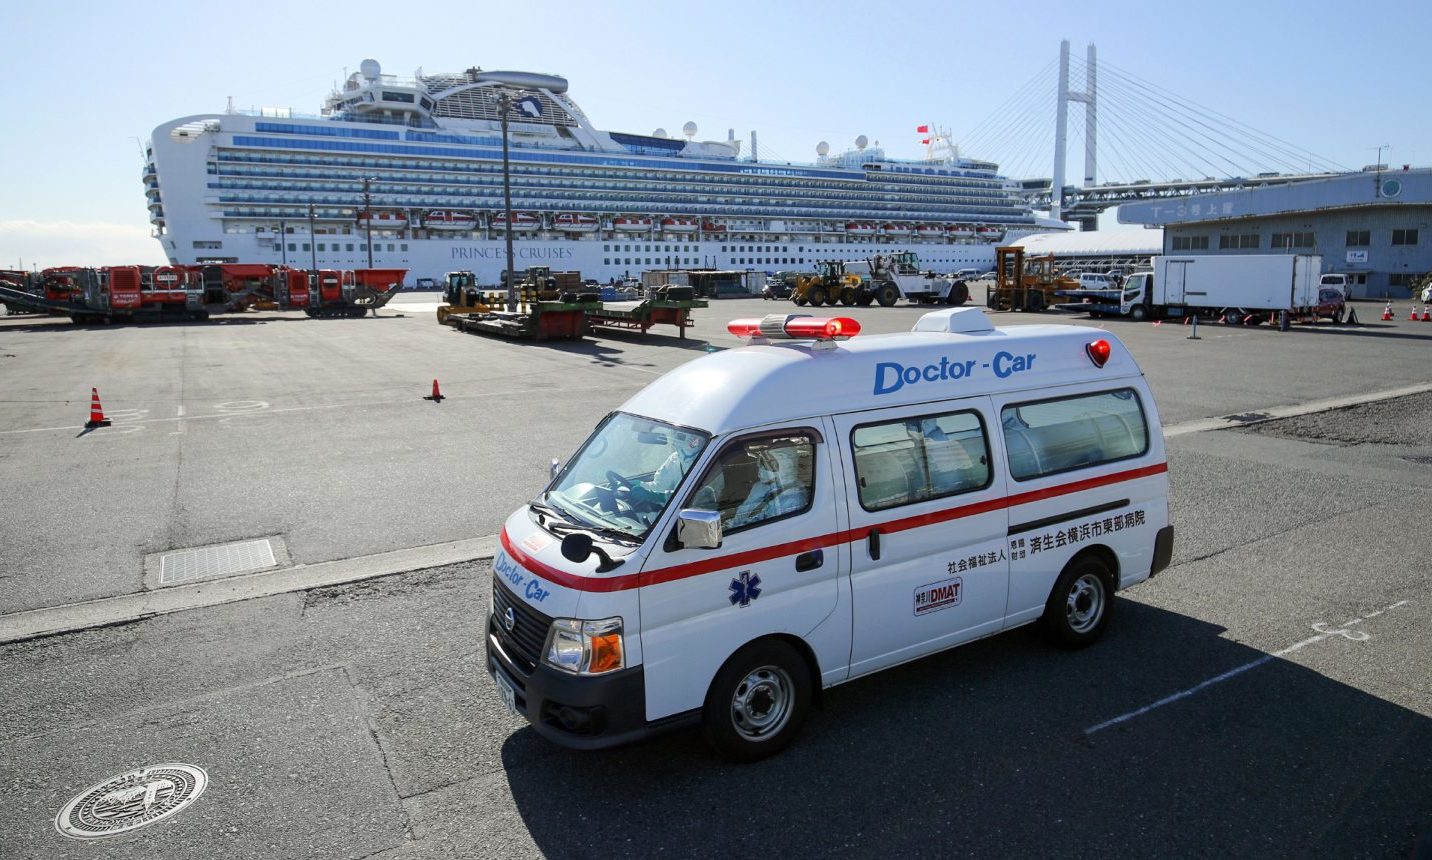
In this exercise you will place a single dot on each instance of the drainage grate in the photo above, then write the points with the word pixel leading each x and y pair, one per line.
pixel 211 561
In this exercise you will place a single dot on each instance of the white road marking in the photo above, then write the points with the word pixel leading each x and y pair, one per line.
pixel 1324 632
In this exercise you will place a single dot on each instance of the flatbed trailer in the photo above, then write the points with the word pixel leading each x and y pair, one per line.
pixel 1093 302
pixel 539 321
pixel 641 315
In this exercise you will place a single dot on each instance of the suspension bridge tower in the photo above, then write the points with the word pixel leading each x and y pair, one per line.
pixel 1089 98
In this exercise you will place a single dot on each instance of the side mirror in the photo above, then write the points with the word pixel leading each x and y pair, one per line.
pixel 577 547
pixel 698 529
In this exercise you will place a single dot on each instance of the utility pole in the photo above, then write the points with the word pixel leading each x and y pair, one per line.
pixel 368 219
pixel 504 103
pixel 311 237
pixel 1377 174
pixel 283 240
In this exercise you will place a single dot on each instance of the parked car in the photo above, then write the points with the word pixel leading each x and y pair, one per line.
pixel 1096 281
pixel 776 290
pixel 966 274
pixel 1331 304
pixel 1427 293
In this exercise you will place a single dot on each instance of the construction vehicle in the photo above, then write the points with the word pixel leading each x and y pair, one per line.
pixel 543 284
pixel 1026 283
pixel 550 305
pixel 23 282
pixel 140 293
pixel 831 282
pixel 462 295
pixel 890 277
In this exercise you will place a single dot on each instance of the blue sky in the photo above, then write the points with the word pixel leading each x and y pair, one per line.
pixel 89 80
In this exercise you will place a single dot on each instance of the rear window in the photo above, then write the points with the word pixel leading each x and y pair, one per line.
pixel 917 459
pixel 1052 436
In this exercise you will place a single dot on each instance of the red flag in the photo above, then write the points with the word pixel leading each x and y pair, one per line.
pixel 922 129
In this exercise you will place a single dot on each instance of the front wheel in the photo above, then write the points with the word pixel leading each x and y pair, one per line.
pixel 758 701
pixel 1138 313
pixel 887 295
pixel 959 294
pixel 1078 608
pixel 817 296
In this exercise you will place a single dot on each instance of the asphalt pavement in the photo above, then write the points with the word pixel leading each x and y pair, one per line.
pixel 1270 694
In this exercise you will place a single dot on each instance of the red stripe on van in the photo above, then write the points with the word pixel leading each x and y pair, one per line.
pixel 754 556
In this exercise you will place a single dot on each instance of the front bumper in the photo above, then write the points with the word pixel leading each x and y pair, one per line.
pixel 577 711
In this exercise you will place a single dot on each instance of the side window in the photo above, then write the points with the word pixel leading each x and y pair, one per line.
pixel 758 480
pixel 916 459
pixel 1053 436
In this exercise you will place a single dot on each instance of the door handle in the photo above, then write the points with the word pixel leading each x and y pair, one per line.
pixel 874 544
pixel 809 560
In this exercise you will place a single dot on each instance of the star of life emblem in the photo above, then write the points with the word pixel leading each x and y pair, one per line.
pixel 745 588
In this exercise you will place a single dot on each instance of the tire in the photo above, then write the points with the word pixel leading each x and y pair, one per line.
pixel 800 300
pixel 1079 607
pixel 959 294
pixel 817 296
pixel 1337 316
pixel 1036 302
pixel 1138 313
pixel 848 296
pixel 887 295
pixel 865 299
pixel 992 300
pixel 757 702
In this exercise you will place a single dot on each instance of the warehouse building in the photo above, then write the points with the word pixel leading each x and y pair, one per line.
pixel 1375 226
pixel 1122 250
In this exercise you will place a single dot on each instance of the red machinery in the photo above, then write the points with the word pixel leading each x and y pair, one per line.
pixel 132 293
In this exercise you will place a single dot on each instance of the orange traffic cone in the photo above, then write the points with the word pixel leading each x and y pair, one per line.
pixel 436 396
pixel 96 418
pixel 1387 313
pixel 1412 313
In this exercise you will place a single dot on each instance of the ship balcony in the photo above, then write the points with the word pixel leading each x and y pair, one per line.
pixel 149 170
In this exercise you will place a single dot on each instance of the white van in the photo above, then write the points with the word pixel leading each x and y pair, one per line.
pixel 771 520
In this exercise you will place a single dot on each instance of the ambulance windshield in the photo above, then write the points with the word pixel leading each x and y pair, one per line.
pixel 624 476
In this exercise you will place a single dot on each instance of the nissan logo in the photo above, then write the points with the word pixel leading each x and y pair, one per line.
pixel 509 620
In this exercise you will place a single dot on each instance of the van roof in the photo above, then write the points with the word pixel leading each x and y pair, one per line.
pixel 955 356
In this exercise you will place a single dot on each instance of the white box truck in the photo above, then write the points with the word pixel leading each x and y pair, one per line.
pixel 1221 284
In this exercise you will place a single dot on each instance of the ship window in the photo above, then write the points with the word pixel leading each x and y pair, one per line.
pixel 305 246
pixel 350 246
pixel 404 246
pixel 292 246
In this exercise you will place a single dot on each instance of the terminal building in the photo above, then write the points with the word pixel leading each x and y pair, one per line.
pixel 1374 226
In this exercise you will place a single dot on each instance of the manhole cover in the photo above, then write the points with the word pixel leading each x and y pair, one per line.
pixel 131 800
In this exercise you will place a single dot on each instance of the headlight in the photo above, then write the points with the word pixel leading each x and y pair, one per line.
pixel 586 647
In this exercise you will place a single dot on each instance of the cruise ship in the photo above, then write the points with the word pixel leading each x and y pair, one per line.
pixel 414 167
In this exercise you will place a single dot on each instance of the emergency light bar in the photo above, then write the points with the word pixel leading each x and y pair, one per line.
pixel 795 327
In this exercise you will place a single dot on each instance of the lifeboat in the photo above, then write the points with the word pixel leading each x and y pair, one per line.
pixel 895 229
pixel 859 229
pixel 712 227
pixel 929 231
pixel 523 220
pixel 448 219
pixel 990 234
pixel 678 225
pixel 382 219
pixel 569 222
pixel 631 224
pixel 961 231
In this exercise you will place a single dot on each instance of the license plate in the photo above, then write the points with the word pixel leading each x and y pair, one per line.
pixel 509 696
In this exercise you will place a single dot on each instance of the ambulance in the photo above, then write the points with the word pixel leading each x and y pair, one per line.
pixel 766 522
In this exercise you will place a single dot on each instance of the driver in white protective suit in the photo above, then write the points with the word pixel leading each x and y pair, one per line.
pixel 668 475
pixel 778 489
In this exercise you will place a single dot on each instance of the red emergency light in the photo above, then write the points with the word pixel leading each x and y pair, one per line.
pixel 1098 351
pixel 795 326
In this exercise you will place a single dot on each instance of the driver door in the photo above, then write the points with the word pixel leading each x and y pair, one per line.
pixel 777 571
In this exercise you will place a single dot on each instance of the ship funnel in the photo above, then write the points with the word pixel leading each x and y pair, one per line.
pixel 524 81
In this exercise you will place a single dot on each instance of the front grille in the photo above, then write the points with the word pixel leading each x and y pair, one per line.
pixel 524 642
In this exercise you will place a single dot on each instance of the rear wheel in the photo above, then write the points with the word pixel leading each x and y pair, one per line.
pixel 758 701
pixel 887 295
pixel 865 299
pixel 1036 302
pixel 848 296
pixel 1078 608
pixel 817 296
pixel 959 294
